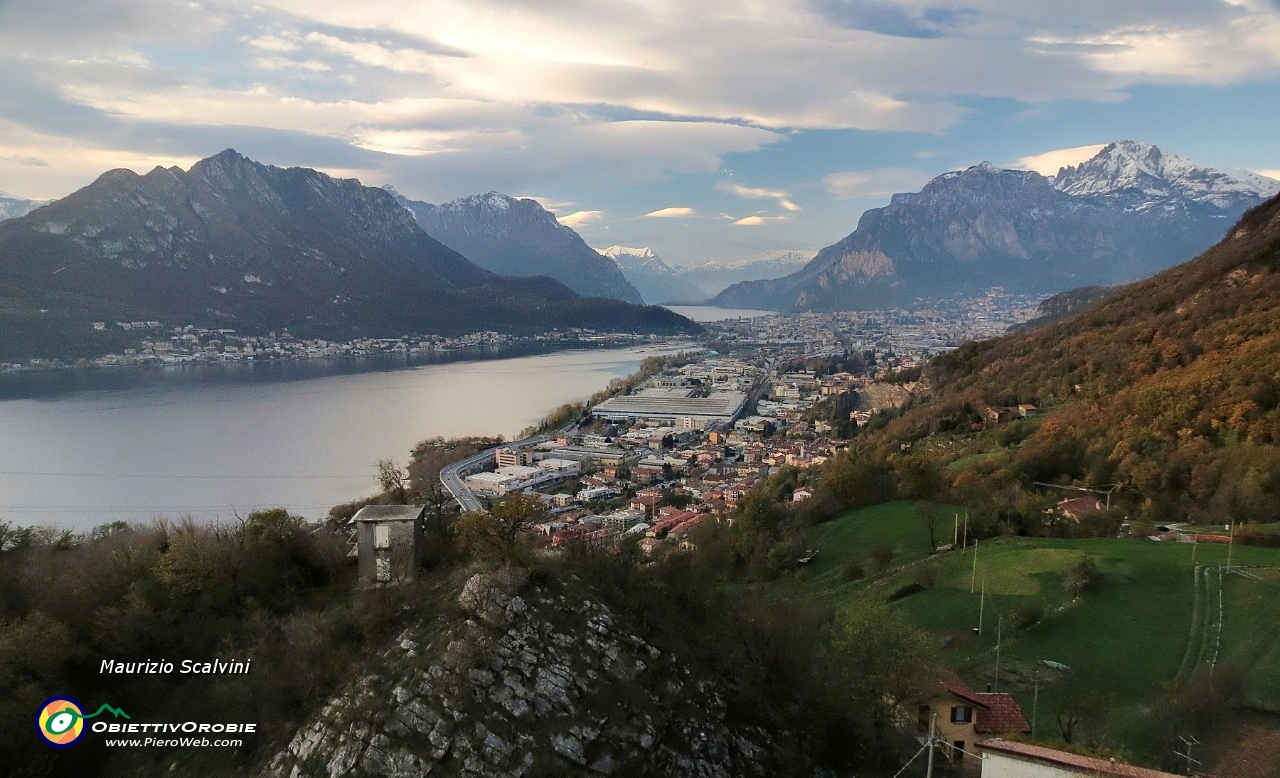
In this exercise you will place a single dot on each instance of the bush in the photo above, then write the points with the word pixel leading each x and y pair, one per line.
pixel 852 571
pixel 1028 616
pixel 881 557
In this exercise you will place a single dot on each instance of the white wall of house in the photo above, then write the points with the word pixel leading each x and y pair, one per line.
pixel 997 765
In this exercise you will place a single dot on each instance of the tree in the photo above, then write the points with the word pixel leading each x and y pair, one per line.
pixel 499 530
pixel 882 664
pixel 1083 576
pixel 394 480
pixel 931 515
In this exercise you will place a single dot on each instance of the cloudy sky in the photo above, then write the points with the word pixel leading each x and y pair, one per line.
pixel 707 130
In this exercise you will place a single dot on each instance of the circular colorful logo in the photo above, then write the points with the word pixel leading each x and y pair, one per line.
pixel 60 721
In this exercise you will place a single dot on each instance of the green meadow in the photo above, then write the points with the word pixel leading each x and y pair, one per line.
pixel 1155 617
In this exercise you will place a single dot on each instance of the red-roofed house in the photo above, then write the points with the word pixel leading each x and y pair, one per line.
pixel 1004 759
pixel 964 716
pixel 1081 506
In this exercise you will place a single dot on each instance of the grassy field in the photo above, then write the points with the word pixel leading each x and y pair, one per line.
pixel 1153 618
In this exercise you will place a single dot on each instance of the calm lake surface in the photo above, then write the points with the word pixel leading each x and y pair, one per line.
pixel 80 448
pixel 712 313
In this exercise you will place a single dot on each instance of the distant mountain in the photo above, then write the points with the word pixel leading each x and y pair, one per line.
pixel 12 207
pixel 1130 211
pixel 520 238
pixel 1166 386
pixel 657 281
pixel 1062 305
pixel 236 244
pixel 715 276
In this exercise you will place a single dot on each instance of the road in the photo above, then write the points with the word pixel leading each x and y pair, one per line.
pixel 451 475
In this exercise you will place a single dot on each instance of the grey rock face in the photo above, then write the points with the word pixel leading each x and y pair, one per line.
pixel 520 238
pixel 1127 213
pixel 553 682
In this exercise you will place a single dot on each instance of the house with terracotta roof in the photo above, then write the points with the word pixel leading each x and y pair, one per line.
pixel 1076 507
pixel 1005 759
pixel 964 717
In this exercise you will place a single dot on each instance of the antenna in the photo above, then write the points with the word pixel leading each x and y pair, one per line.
pixel 1187 743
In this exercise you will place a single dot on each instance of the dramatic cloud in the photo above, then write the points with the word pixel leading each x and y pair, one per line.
pixel 875 184
pixel 672 213
pixel 1050 162
pixel 641 102
pixel 782 197
pixel 579 218
pixel 756 221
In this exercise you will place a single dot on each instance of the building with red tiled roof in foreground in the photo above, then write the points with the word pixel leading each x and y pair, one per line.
pixel 1005 759
pixel 1076 507
pixel 964 716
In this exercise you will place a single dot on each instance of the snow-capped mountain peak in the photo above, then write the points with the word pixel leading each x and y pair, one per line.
pixel 637 259
pixel 1140 176
pixel 11 207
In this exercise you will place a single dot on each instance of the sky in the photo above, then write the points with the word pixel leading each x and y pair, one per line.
pixel 706 130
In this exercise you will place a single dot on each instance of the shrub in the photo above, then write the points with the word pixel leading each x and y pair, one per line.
pixel 1028 616
pixel 881 557
pixel 852 571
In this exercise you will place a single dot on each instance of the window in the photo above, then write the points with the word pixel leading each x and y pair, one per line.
pixel 384 568
pixel 381 536
pixel 961 714
pixel 957 751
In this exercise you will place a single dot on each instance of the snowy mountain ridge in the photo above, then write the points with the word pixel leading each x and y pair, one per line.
pixel 1139 176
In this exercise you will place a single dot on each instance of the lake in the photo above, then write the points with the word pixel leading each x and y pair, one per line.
pixel 80 448
pixel 713 313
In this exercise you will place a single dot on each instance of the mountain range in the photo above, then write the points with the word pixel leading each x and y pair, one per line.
pixel 12 207
pixel 716 275
pixel 657 281
pixel 236 244
pixel 1128 212
pixel 518 237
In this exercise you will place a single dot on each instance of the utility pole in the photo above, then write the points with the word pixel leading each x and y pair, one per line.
pixel 955 532
pixel 973 579
pixel 1035 708
pixel 999 634
pixel 933 726
pixel 966 530
pixel 982 605
pixel 1195 536
pixel 1231 544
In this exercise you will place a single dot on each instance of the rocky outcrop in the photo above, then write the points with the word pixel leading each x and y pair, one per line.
pixel 528 681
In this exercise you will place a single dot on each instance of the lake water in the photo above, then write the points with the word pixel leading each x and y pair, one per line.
pixel 80 448
pixel 712 313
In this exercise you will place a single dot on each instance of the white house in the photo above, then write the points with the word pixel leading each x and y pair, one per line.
pixel 1007 759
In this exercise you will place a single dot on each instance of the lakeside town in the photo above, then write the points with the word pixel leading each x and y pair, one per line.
pixel 686 445
pixel 911 336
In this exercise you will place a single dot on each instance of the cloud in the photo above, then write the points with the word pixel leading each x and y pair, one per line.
pixel 925 154
pixel 550 203
pixel 579 218
pixel 1050 162
pixel 1268 172
pixel 756 221
pixel 879 183
pixel 672 213
pixel 739 190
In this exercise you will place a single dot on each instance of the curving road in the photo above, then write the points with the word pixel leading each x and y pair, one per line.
pixel 451 475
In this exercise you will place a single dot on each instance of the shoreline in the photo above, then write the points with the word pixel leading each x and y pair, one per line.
pixel 47 382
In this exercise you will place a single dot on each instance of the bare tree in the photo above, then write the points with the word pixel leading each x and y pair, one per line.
pixel 394 480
